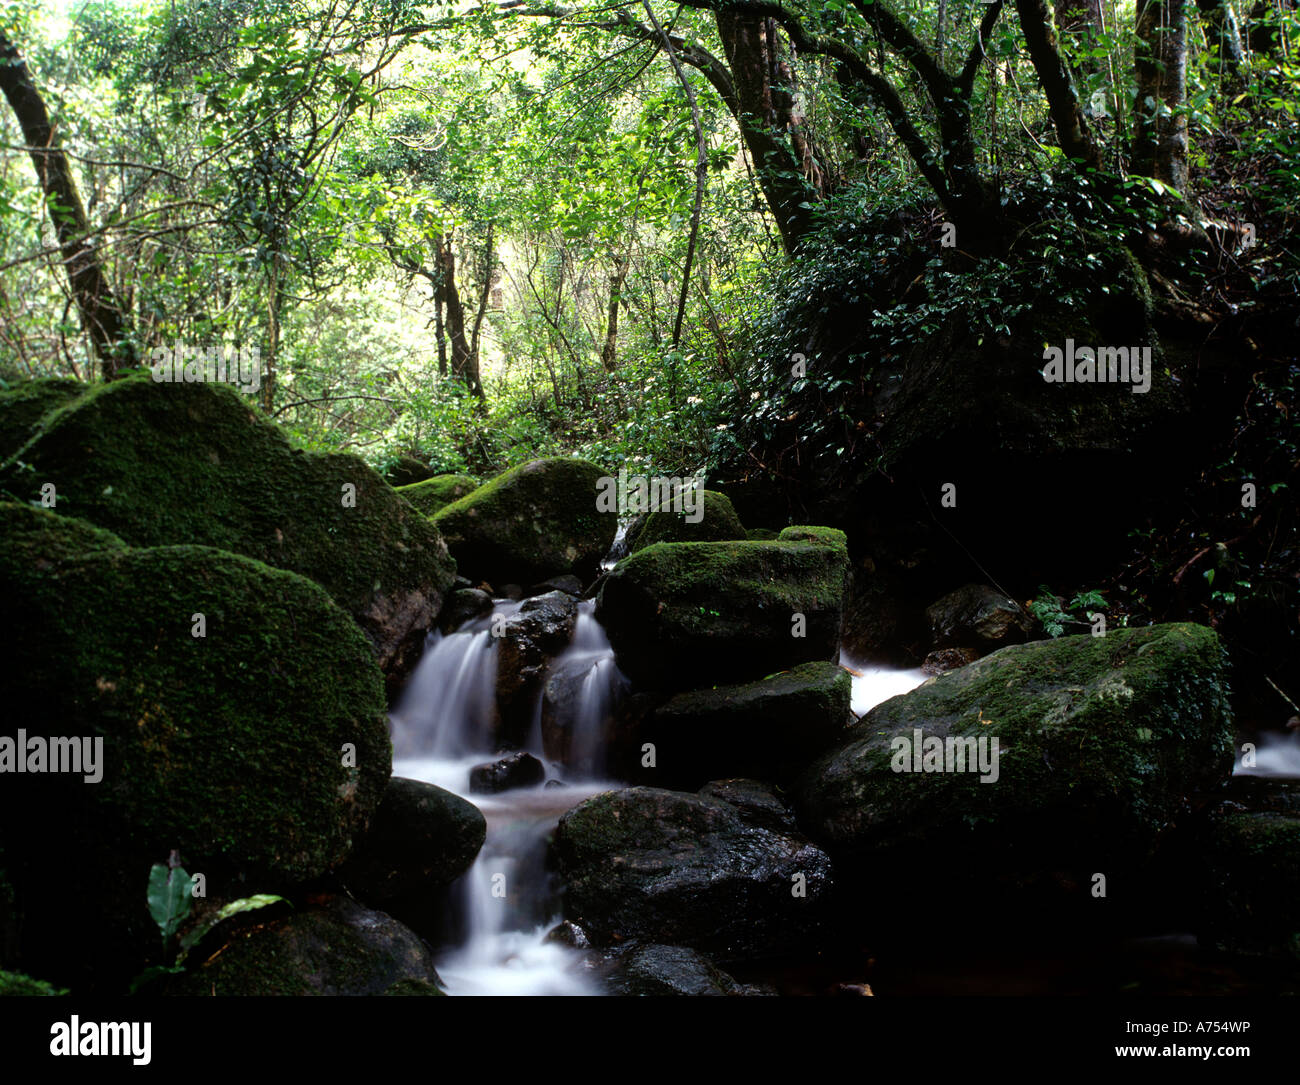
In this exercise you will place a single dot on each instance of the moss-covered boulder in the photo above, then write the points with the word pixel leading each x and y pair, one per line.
pixel 1249 858
pixel 1100 743
pixel 536 520
pixel 258 749
pixel 405 470
pixel 717 522
pixel 161 464
pixel 689 869
pixel 334 946
pixel 686 615
pixel 769 729
pixel 24 403
pixel 420 838
pixel 435 494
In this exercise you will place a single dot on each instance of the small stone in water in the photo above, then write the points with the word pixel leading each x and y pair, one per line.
pixel 517 770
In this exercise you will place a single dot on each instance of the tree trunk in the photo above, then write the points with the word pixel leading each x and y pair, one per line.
pixel 609 355
pixel 1160 136
pixel 1072 131
pixel 1222 29
pixel 485 292
pixel 102 316
pixel 768 113
pixel 463 363
pixel 1078 22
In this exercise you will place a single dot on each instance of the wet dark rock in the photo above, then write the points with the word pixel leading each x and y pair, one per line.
pixel 518 770
pixel 688 869
pixel 334 946
pixel 667 970
pixel 420 837
pixel 978 618
pixel 943 660
pixel 769 729
pixel 529 640
pixel 565 582
pixel 464 605
pixel 568 933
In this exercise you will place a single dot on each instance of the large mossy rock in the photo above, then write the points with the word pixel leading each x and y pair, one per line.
pixel 717 522
pixel 164 464
pixel 1101 743
pixel 692 870
pixel 686 615
pixel 1249 876
pixel 435 494
pixel 333 947
pixel 258 751
pixel 769 729
pixel 23 405
pixel 535 521
pixel 421 837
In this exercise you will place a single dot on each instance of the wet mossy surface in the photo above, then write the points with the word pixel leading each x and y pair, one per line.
pixel 1102 743
pixel 258 750
pixel 435 494
pixel 165 464
pixel 19 985
pixel 534 521
pixel 1248 854
pixel 334 946
pixel 685 615
pixel 717 522
pixel 24 403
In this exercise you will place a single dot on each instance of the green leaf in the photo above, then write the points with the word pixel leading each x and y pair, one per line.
pixel 244 904
pixel 169 898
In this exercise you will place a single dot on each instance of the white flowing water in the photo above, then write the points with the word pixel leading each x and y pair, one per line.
pixel 1277 753
pixel 873 684
pixel 442 726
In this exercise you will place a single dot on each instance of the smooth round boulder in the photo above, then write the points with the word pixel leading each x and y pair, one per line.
pixel 1077 753
pixel 162 464
pixel 688 615
pixel 420 837
pixel 434 494
pixel 185 686
pixel 535 521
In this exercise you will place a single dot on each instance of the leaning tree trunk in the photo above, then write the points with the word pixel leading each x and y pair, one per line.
pixel 102 315
pixel 1160 137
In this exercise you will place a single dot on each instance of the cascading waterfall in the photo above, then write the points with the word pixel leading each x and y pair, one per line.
pixel 443 725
